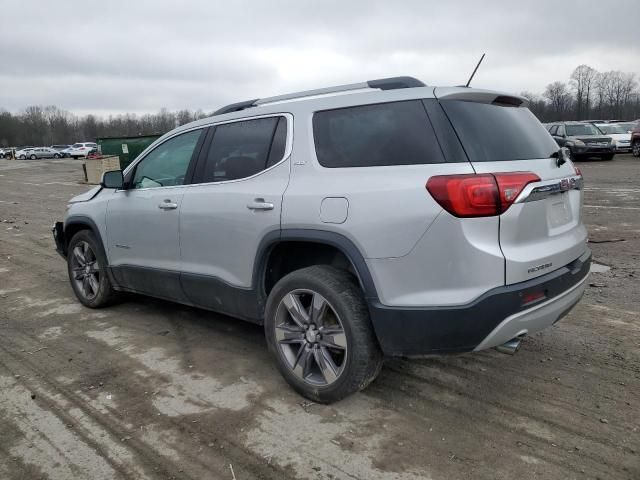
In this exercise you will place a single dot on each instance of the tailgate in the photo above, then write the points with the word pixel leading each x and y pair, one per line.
pixel 542 230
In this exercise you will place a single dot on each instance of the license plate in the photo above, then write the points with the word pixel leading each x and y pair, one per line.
pixel 558 211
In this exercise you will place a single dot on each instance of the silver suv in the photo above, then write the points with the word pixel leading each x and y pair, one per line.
pixel 385 218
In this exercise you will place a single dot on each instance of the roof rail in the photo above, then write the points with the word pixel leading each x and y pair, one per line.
pixel 236 107
pixel 392 83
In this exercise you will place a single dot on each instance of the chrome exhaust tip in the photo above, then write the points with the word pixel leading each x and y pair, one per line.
pixel 510 347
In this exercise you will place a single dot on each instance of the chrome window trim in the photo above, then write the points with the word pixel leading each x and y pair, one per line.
pixel 540 190
pixel 287 151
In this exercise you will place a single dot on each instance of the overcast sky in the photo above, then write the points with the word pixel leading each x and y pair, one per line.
pixel 114 56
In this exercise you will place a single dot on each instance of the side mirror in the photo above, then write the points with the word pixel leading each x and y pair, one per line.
pixel 112 179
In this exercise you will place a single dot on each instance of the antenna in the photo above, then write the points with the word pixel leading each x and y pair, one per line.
pixel 475 70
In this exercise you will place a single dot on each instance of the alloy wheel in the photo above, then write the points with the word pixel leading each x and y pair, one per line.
pixel 310 337
pixel 636 149
pixel 86 270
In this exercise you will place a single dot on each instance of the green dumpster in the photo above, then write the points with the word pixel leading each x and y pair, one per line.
pixel 127 148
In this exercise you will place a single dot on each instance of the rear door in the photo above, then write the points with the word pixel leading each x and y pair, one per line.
pixel 543 230
pixel 235 201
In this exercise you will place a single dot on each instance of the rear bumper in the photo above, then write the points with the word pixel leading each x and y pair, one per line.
pixel 490 320
pixel 58 237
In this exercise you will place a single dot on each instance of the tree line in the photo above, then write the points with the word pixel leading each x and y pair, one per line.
pixel 50 125
pixel 589 94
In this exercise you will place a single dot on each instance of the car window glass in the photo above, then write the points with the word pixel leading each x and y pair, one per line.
pixel 279 143
pixel 167 164
pixel 582 129
pixel 397 133
pixel 239 149
pixel 560 131
pixel 610 129
pixel 553 129
pixel 493 132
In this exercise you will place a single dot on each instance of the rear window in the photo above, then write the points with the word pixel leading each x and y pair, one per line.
pixel 492 133
pixel 397 133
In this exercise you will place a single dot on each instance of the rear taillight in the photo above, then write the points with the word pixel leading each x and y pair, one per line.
pixel 478 195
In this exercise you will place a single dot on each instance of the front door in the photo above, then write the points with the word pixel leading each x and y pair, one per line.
pixel 142 221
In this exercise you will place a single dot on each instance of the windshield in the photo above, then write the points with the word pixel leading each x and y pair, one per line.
pixel 627 126
pixel 491 132
pixel 582 129
pixel 612 128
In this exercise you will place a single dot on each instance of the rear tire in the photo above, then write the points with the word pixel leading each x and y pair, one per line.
pixel 33 157
pixel 317 326
pixel 87 268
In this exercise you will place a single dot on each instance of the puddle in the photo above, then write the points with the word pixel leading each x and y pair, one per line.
pixel 597 268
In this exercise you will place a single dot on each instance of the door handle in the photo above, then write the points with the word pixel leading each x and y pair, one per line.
pixel 168 205
pixel 260 204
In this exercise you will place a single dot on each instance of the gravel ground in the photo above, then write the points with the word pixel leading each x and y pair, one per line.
pixel 148 389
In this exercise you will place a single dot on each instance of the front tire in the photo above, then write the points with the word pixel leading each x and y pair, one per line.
pixel 317 325
pixel 635 149
pixel 608 157
pixel 87 268
pixel 33 157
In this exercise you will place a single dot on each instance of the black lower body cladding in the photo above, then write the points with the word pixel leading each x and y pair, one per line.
pixel 404 331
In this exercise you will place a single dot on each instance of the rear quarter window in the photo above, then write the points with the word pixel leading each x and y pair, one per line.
pixel 491 132
pixel 397 133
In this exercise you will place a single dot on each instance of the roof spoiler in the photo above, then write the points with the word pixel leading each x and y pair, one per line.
pixel 392 83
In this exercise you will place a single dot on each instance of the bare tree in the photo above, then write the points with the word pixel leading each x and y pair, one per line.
pixel 582 81
pixel 559 97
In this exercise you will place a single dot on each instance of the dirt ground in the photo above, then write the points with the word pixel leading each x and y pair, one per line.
pixel 152 390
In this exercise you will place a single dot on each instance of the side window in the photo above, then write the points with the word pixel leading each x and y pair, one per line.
pixel 240 149
pixel 553 129
pixel 167 164
pixel 560 131
pixel 396 133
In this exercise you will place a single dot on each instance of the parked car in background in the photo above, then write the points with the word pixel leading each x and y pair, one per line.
pixel 620 138
pixel 479 241
pixel 635 140
pixel 4 151
pixel 39 152
pixel 23 152
pixel 80 150
pixel 582 140
pixel 60 148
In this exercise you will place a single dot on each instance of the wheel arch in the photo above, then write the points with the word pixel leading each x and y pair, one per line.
pixel 76 223
pixel 320 241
